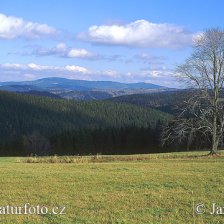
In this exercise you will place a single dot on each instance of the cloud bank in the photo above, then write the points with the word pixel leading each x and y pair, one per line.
pixel 140 33
pixel 32 71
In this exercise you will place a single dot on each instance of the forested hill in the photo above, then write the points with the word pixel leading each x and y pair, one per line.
pixel 163 101
pixel 21 115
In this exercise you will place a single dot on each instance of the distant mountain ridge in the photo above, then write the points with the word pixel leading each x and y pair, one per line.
pixel 80 84
pixel 80 89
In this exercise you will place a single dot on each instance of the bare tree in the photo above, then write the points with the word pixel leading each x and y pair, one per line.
pixel 203 110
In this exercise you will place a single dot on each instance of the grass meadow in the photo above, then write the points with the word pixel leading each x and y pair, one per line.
pixel 160 188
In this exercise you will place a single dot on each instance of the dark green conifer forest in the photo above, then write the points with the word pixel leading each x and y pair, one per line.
pixel 44 126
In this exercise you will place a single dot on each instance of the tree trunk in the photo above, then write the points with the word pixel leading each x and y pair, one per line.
pixel 215 138
pixel 214 149
pixel 189 141
pixel 215 135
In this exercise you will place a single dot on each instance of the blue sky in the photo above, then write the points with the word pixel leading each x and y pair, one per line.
pixel 125 41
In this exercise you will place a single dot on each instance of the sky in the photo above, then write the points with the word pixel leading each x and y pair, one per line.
pixel 124 41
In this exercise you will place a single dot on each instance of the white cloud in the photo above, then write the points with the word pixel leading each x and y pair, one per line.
pixel 164 77
pixel 140 33
pixel 12 66
pixel 36 67
pixel 14 27
pixel 61 46
pixel 111 73
pixel 75 68
pixel 156 74
pixel 79 53
pixel 61 50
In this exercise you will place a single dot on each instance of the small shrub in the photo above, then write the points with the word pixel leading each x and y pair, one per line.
pixel 54 159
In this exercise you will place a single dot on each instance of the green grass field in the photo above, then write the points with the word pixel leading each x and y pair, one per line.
pixel 161 189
